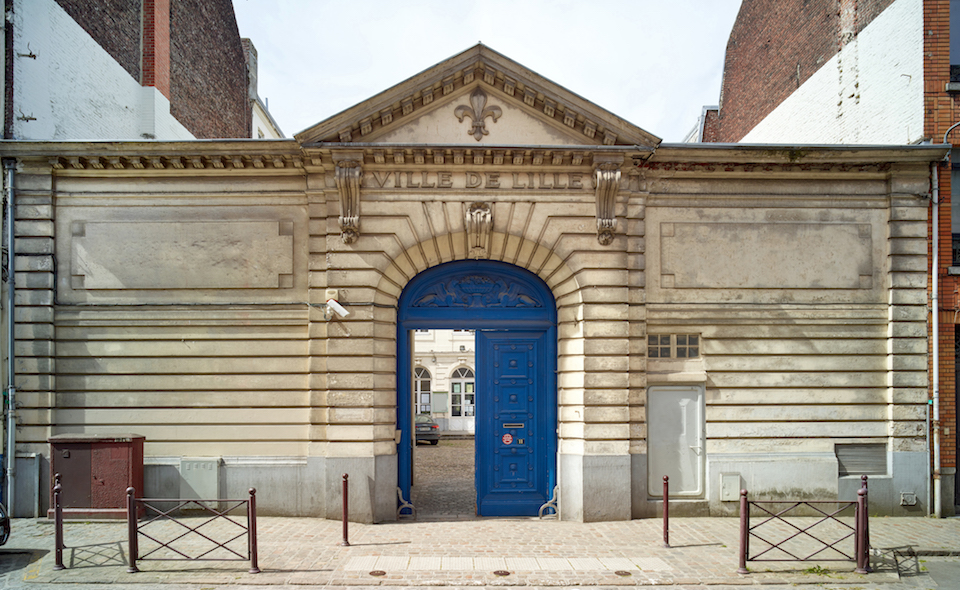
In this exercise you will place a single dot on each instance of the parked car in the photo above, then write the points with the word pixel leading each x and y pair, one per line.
pixel 4 525
pixel 427 429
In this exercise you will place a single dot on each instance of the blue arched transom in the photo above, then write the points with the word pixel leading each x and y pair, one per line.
pixel 480 293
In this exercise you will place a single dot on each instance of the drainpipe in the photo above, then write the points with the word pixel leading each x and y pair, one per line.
pixel 936 339
pixel 937 488
pixel 11 446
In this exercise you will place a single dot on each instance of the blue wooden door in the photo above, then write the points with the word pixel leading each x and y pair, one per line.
pixel 513 428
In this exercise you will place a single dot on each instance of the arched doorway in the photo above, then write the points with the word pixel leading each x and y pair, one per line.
pixel 515 318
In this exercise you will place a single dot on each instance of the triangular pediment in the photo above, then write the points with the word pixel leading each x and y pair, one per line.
pixel 478 97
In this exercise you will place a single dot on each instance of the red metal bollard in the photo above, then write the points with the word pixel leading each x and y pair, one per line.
pixel 346 510
pixel 132 545
pixel 252 531
pixel 58 524
pixel 666 511
pixel 860 541
pixel 744 532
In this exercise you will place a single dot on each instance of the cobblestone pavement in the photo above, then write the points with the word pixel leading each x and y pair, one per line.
pixel 540 553
pixel 444 483
pixel 449 546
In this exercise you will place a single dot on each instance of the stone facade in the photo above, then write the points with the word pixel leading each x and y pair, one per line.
pixel 178 290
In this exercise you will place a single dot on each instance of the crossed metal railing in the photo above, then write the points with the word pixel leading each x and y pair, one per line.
pixel 154 515
pixel 825 549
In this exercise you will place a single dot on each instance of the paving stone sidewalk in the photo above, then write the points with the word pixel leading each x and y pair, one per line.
pixel 540 553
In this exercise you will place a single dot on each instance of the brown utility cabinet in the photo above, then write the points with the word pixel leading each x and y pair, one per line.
pixel 95 472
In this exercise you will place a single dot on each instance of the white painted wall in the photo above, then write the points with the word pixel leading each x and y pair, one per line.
pixel 870 93
pixel 74 89
pixel 262 122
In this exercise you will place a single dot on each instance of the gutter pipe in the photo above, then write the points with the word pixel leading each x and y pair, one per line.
pixel 937 491
pixel 11 444
pixel 937 481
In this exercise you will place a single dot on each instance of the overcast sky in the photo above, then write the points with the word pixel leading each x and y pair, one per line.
pixel 655 63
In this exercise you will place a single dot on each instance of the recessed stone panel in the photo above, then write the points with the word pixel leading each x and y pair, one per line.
pixel 182 255
pixel 766 256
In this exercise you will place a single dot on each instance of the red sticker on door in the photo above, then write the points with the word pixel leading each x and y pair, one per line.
pixel 507 438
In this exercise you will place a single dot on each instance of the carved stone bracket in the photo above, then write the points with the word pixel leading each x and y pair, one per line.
pixel 608 182
pixel 348 175
pixel 479 222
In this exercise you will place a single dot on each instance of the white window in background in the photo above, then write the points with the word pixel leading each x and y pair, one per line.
pixel 422 391
pixel 462 394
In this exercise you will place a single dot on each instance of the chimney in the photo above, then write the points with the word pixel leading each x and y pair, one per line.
pixel 250 55
pixel 155 60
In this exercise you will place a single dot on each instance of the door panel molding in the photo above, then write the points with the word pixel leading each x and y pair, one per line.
pixel 512 471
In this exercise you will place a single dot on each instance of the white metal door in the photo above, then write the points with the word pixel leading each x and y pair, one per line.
pixel 675 439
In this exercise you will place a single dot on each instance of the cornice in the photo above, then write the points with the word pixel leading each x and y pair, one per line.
pixel 289 155
pixel 708 159
pixel 701 168
pixel 719 154
pixel 176 162
pixel 177 155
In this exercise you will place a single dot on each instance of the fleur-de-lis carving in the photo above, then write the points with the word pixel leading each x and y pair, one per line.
pixel 478 112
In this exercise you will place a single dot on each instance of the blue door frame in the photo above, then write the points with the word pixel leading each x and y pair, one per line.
pixel 479 295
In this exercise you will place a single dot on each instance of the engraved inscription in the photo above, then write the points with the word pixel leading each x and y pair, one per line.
pixel 547 181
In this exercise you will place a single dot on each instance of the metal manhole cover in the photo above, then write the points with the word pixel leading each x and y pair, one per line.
pixel 623 573
pixel 378 573
pixel 501 573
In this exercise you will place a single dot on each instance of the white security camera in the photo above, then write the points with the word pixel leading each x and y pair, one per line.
pixel 339 309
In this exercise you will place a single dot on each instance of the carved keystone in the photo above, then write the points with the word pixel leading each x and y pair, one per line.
pixel 478 223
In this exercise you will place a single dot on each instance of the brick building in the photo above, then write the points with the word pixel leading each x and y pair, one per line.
pixel 129 69
pixel 863 72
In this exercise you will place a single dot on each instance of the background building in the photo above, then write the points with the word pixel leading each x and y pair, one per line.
pixel 445 377
pixel 129 69
pixel 863 72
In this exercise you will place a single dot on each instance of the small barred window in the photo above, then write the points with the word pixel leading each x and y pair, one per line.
pixel 658 346
pixel 680 346
pixel 688 346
